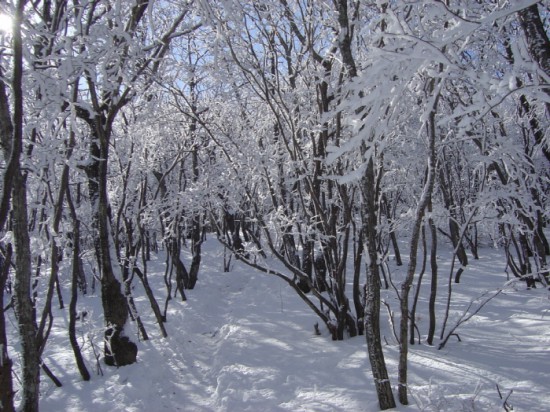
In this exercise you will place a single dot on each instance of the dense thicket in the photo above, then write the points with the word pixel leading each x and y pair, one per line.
pixel 316 133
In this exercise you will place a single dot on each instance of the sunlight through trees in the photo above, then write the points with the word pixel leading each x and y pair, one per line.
pixel 324 143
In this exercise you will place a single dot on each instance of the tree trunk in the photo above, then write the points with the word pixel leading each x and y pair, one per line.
pixel 6 137
pixel 357 299
pixel 76 267
pixel 537 39
pixel 423 203
pixel 433 286
pixel 153 302
pixel 182 276
pixel 539 49
pixel 412 320
pixel 372 295
pixel 196 243
pixel 369 218
pixel 119 350
pixel 24 310
pixel 196 231
pixel 6 383
pixel 456 239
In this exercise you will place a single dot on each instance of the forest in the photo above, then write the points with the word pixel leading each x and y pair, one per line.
pixel 359 158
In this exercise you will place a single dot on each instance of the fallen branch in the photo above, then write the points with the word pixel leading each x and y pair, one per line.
pixel 507 407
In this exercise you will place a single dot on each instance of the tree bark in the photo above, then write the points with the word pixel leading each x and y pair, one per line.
pixel 119 350
pixel 412 320
pixel 22 285
pixel 537 39
pixel 357 299
pixel 23 302
pixel 6 383
pixel 76 268
pixel 539 48
pixel 433 286
pixel 6 137
pixel 369 218
pixel 372 294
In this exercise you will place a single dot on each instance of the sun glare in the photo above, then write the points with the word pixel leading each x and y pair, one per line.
pixel 5 23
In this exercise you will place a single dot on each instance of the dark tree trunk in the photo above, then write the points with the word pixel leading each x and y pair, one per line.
pixel 412 319
pixel 196 246
pixel 307 258
pixel 152 301
pixel 357 298
pixel 127 278
pixel 372 295
pixel 395 245
pixel 76 275
pixel 370 220
pixel 23 306
pixel 433 286
pixel 119 350
pixel 196 231
pixel 537 39
pixel 456 239
pixel 6 383
pixel 24 309
pixel 182 276
pixel 6 136
pixel 539 48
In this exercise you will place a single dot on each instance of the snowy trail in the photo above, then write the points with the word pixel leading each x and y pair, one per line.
pixel 245 342
pixel 250 326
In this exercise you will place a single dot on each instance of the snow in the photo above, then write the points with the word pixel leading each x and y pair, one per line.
pixel 244 341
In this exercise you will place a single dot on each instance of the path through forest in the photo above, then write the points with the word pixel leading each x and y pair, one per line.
pixel 244 342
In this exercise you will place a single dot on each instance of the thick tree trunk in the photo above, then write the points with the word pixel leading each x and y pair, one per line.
pixel 6 143
pixel 537 39
pixel 539 49
pixel 24 310
pixel 119 350
pixel 6 136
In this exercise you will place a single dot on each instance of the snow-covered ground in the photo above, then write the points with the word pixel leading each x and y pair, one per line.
pixel 244 342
